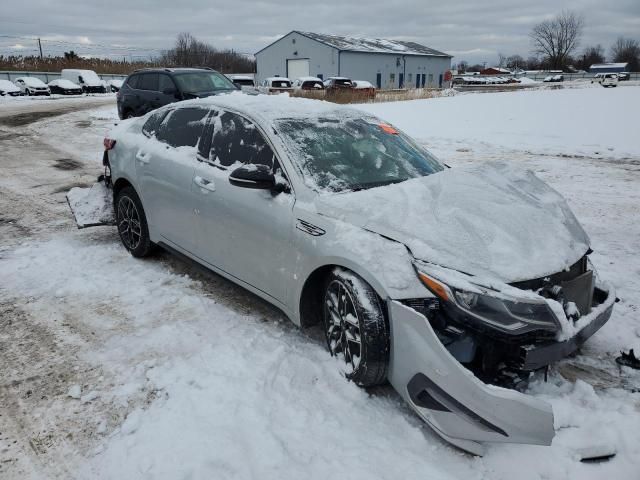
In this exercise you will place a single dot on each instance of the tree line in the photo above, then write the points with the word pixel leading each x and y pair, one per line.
pixel 186 52
pixel 556 46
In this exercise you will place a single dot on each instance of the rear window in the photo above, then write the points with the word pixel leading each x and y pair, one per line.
pixel 182 127
pixel 246 82
pixel 280 84
pixel 148 81
pixel 312 84
pixel 343 81
pixel 203 82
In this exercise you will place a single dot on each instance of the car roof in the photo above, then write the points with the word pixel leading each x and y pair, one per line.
pixel 267 109
pixel 174 70
pixel 271 79
pixel 309 79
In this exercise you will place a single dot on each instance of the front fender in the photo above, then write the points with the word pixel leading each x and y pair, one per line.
pixel 458 406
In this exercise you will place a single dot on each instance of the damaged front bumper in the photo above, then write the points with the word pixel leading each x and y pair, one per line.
pixel 460 407
pixel 451 399
pixel 536 356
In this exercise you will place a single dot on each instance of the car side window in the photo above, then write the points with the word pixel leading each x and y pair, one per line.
pixel 148 81
pixel 182 127
pixel 152 124
pixel 165 83
pixel 237 140
pixel 133 81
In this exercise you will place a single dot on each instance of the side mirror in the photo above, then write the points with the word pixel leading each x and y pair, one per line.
pixel 258 177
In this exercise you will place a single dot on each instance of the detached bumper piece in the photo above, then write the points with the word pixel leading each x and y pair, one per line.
pixel 455 403
pixel 92 206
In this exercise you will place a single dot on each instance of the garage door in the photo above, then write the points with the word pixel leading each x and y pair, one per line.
pixel 297 68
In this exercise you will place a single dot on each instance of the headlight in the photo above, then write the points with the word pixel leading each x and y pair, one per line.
pixel 510 315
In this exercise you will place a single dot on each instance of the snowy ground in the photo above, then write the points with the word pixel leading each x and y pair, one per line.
pixel 116 368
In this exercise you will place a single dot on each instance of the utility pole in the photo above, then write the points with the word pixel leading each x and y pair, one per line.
pixel 40 47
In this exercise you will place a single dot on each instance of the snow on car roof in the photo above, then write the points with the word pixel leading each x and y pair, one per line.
pixel 375 45
pixel 239 77
pixel 362 84
pixel 274 79
pixel 32 81
pixel 309 79
pixel 61 82
pixel 8 86
pixel 269 108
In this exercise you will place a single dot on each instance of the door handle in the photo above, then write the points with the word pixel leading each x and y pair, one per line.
pixel 204 183
pixel 142 157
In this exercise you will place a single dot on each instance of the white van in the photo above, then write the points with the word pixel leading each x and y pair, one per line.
pixel 606 79
pixel 87 79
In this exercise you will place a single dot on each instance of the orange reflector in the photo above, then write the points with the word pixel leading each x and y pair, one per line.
pixel 436 287
pixel 388 129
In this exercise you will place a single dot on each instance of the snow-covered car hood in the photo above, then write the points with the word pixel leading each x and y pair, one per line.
pixel 487 220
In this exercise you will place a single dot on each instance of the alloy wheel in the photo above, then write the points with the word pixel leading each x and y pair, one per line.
pixel 129 223
pixel 342 325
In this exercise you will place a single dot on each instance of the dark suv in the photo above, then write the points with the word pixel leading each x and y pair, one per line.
pixel 148 89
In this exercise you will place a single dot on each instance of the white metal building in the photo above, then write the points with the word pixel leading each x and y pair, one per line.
pixel 385 63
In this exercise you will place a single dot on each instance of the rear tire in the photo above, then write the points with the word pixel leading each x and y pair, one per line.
pixel 132 223
pixel 356 327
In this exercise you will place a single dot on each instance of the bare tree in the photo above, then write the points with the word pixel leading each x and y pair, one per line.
pixel 591 56
pixel 627 50
pixel 462 66
pixel 515 61
pixel 556 39
pixel 191 52
pixel 502 60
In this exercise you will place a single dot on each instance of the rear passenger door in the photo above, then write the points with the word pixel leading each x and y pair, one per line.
pixel 165 166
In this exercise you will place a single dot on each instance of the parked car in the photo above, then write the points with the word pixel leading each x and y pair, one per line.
pixel 624 76
pixel 87 79
pixel 554 78
pixel 9 88
pixel 115 84
pixel 276 85
pixel 243 81
pixel 439 280
pixel 606 79
pixel 64 87
pixel 308 83
pixel 364 87
pixel 32 86
pixel 148 89
pixel 338 83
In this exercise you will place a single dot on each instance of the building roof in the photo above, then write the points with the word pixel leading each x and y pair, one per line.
pixel 597 66
pixel 370 45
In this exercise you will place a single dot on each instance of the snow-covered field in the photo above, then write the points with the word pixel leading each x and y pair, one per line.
pixel 119 368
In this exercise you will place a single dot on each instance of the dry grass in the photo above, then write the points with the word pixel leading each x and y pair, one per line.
pixel 355 96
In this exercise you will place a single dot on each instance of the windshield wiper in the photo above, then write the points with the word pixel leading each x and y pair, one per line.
pixel 365 186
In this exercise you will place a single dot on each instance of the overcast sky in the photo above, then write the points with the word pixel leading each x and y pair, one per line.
pixel 472 30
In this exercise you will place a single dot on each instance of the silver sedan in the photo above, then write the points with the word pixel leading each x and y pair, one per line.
pixel 454 285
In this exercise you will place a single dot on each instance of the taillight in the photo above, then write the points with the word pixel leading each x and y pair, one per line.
pixel 108 143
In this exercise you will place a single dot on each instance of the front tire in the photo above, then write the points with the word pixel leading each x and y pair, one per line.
pixel 132 223
pixel 356 327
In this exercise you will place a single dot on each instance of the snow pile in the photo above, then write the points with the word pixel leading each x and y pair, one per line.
pixel 593 122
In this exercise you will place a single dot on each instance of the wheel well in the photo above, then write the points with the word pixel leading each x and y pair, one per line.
pixel 311 298
pixel 119 185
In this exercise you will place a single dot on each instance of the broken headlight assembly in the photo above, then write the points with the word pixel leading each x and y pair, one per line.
pixel 506 313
